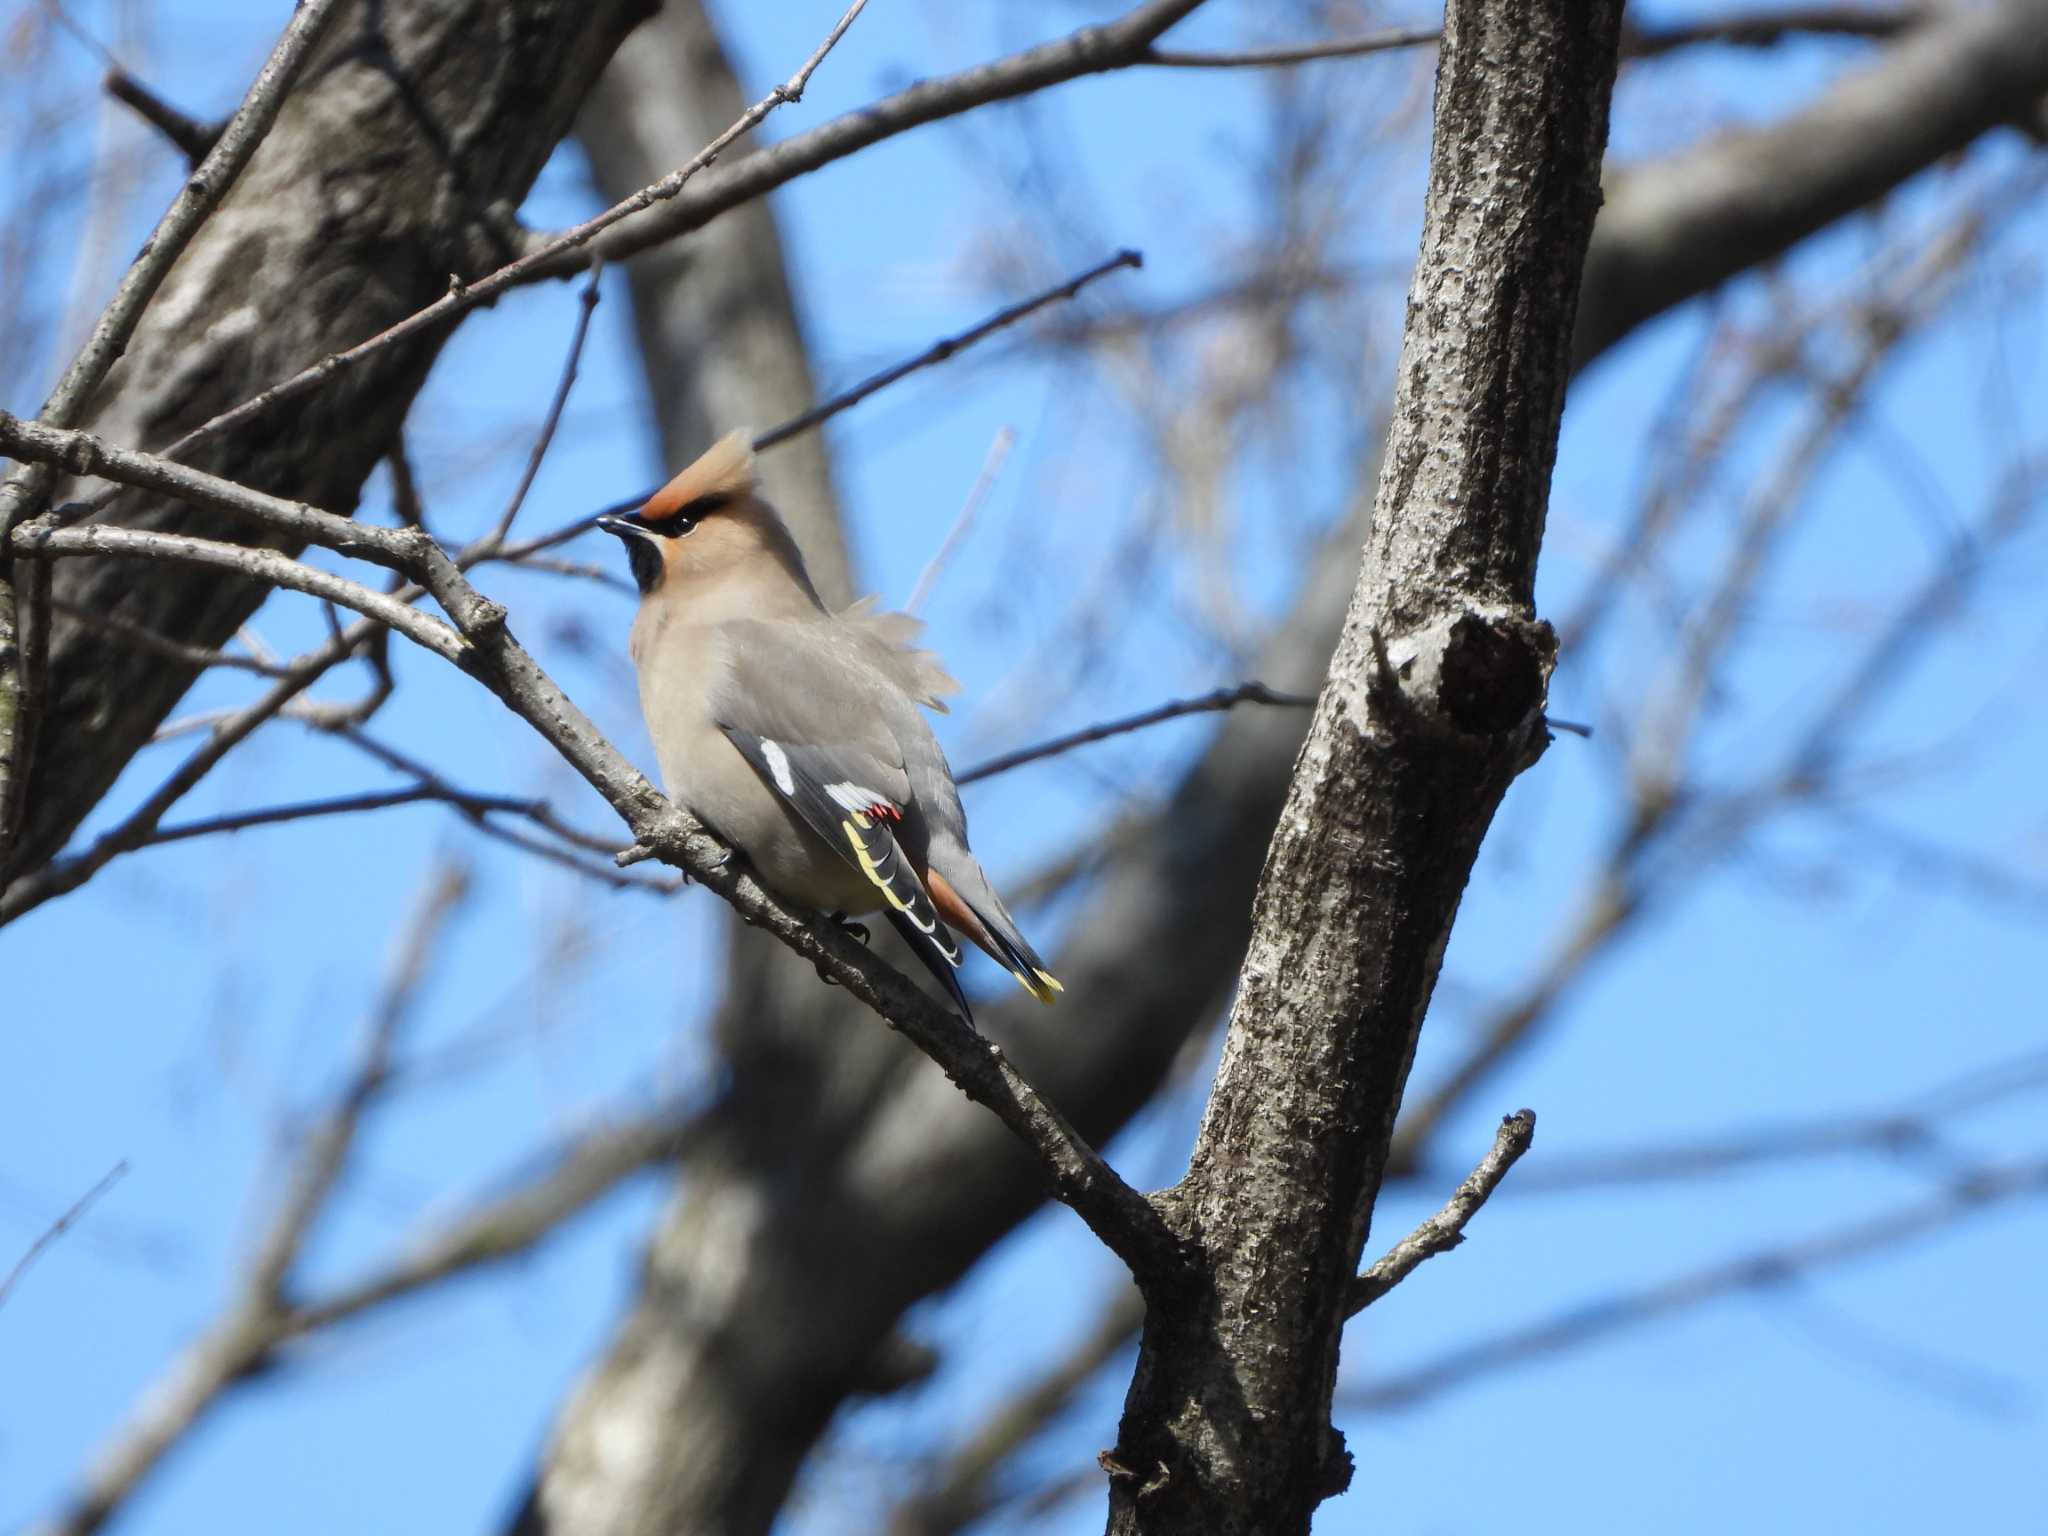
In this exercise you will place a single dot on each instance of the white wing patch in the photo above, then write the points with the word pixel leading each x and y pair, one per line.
pixel 778 765
pixel 849 796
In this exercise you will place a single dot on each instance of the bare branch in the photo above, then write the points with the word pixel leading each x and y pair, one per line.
pixel 587 307
pixel 265 565
pixel 192 138
pixel 517 1221
pixel 1681 226
pixel 1222 698
pixel 164 645
pixel 1446 1229
pixel 937 352
pixel 1767 29
pixel 56 879
pixel 327 1149
pixel 928 578
pixel 941 350
pixel 1308 53
pixel 59 1227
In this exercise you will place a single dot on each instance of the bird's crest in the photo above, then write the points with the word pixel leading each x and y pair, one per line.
pixel 724 472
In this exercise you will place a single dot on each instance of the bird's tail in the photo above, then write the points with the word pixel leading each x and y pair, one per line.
pixel 968 902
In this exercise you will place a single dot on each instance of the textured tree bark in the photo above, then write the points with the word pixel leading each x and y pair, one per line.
pixel 1433 705
pixel 415 131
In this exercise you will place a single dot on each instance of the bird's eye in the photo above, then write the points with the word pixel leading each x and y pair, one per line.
pixel 676 527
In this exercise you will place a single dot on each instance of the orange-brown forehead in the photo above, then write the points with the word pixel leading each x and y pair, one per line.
pixel 664 508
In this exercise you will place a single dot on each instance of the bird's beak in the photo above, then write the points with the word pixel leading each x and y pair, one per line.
pixel 627 527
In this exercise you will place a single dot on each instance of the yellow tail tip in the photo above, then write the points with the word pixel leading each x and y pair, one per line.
pixel 1040 984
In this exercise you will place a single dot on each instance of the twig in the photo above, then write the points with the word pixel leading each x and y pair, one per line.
pixel 192 138
pixel 1766 29
pixel 59 1227
pixel 1307 53
pixel 68 874
pixel 1446 1229
pixel 1763 29
pixel 327 1149
pixel 163 645
pixel 998 451
pixel 337 805
pixel 1222 698
pixel 196 200
pixel 1764 1270
pixel 587 307
pixel 939 351
pixel 1913 1127
pixel 405 487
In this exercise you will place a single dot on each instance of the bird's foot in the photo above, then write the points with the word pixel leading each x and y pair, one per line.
pixel 844 924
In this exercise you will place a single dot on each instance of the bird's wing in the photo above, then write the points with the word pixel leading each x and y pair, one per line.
pixel 811 720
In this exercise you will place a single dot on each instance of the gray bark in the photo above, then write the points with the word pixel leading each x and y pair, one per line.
pixel 1434 703
pixel 394 164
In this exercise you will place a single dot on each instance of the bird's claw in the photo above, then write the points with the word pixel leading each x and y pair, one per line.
pixel 844 924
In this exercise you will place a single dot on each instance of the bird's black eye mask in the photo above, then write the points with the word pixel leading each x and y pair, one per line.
pixel 639 534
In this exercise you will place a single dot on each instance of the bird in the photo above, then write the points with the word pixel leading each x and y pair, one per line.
pixel 796 734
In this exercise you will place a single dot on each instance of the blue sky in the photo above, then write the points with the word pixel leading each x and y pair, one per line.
pixel 193 1003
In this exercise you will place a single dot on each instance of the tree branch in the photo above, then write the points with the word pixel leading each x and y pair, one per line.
pixel 941 350
pixel 1446 1229
pixel 1434 703
pixel 1221 698
pixel 58 1228
pixel 485 648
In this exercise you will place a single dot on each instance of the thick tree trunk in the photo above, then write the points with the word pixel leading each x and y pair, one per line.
pixel 413 133
pixel 1434 704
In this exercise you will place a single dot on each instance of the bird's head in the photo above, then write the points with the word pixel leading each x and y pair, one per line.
pixel 709 524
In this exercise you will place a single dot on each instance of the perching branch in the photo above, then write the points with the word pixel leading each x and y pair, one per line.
pixel 482 645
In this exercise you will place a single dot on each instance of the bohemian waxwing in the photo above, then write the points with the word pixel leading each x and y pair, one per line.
pixel 793 732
